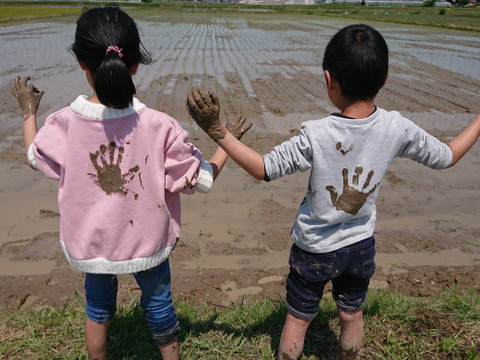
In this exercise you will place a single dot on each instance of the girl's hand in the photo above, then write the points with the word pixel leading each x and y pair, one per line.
pixel 237 128
pixel 28 96
pixel 205 111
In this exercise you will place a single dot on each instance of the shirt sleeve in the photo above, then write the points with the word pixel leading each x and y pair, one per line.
pixel 425 149
pixel 289 157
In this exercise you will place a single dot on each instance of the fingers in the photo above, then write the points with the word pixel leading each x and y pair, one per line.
pixel 369 177
pixel 214 98
pixel 14 92
pixel 240 120
pixel 345 177
pixel 21 85
pixel 25 80
pixel 247 127
pixel 197 98
pixel 191 102
pixel 16 86
pixel 17 83
pixel 241 123
pixel 207 101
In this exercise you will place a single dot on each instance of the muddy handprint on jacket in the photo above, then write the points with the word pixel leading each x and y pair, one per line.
pixel 109 174
pixel 352 199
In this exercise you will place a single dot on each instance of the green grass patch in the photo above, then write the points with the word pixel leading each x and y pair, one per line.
pixel 396 327
pixel 459 18
pixel 24 13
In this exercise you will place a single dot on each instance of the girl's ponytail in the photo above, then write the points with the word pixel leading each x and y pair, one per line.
pixel 113 83
pixel 108 43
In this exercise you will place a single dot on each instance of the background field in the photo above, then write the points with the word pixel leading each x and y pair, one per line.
pixel 235 241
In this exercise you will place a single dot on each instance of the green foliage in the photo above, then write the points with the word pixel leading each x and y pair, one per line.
pixel 429 3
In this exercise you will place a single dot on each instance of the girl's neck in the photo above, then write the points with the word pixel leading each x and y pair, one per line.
pixel 94 99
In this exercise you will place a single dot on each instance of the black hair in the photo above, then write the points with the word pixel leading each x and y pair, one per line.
pixel 97 29
pixel 357 58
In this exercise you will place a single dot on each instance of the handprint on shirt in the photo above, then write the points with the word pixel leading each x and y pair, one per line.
pixel 109 175
pixel 352 199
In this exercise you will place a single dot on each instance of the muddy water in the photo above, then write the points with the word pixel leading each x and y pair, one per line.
pixel 268 68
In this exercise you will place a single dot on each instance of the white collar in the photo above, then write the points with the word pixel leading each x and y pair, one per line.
pixel 82 106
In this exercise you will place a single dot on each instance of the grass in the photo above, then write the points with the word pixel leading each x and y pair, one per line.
pixel 396 327
pixel 10 13
pixel 460 18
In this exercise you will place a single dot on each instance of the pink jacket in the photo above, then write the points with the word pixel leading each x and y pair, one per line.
pixel 120 173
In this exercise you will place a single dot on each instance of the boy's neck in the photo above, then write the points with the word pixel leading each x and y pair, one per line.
pixel 358 109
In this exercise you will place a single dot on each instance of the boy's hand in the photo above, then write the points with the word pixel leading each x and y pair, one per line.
pixel 28 96
pixel 237 128
pixel 205 111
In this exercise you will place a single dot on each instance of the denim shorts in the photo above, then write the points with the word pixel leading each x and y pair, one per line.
pixel 156 300
pixel 349 268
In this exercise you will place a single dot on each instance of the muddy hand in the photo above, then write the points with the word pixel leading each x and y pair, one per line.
pixel 205 111
pixel 28 95
pixel 237 128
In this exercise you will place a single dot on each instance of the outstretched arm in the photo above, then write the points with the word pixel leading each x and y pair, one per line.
pixel 204 109
pixel 465 140
pixel 28 97
pixel 247 158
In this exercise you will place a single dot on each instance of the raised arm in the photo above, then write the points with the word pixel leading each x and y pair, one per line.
pixel 204 109
pixel 465 140
pixel 28 97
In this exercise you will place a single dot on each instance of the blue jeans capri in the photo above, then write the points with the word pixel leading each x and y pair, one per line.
pixel 349 268
pixel 156 300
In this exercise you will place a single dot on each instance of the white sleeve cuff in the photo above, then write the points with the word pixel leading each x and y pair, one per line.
pixel 205 177
pixel 31 156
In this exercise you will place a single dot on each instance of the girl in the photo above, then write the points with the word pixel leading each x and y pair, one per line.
pixel 120 167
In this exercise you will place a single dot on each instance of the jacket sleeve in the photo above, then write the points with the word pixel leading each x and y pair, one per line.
pixel 182 164
pixel 49 148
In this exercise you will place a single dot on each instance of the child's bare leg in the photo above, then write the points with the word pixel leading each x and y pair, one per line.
pixel 169 351
pixel 351 324
pixel 293 336
pixel 96 339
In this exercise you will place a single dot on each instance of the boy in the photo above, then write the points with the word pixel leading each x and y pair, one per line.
pixel 348 154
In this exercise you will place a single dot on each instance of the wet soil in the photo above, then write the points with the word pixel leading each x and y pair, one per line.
pixel 235 240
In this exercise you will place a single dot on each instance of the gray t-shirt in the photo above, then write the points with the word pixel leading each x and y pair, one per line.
pixel 348 159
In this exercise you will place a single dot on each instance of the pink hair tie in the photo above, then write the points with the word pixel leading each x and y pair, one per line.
pixel 116 49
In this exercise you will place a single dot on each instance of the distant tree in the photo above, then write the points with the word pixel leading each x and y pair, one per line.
pixel 429 3
pixel 462 2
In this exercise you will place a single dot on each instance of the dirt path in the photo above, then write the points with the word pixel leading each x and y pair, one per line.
pixel 235 240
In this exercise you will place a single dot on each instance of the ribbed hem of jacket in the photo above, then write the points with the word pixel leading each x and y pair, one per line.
pixel 104 266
